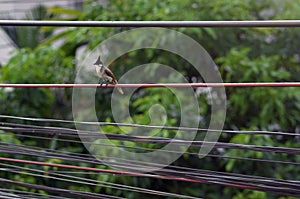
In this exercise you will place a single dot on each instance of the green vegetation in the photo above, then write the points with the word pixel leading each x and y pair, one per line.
pixel 242 55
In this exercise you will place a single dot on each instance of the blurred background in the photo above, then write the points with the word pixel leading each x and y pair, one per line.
pixel 17 9
pixel 51 55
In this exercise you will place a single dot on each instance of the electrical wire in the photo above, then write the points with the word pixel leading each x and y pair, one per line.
pixel 271 133
pixel 161 85
pixel 179 24
pixel 35 2
pixel 65 192
pixel 160 140
pixel 182 170
pixel 285 188
pixel 44 154
pixel 177 178
pixel 31 194
pixel 151 149
pixel 85 181
pixel 133 164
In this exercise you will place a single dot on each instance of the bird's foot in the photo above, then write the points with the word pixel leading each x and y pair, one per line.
pixel 103 82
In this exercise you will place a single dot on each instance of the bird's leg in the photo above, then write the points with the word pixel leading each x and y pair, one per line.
pixel 103 82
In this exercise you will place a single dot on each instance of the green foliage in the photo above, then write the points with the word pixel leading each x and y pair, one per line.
pixel 9 138
pixel 260 108
pixel 267 105
pixel 250 195
pixel 41 65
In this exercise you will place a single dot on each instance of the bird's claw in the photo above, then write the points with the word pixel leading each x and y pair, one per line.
pixel 103 82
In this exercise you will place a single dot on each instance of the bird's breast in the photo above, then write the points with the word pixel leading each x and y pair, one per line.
pixel 99 72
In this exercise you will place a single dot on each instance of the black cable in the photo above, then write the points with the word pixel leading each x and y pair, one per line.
pixel 203 175
pixel 272 133
pixel 166 151
pixel 64 192
pixel 155 140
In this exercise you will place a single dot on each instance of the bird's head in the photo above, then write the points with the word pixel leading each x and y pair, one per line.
pixel 98 63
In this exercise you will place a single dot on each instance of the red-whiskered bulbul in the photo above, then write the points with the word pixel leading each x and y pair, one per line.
pixel 104 73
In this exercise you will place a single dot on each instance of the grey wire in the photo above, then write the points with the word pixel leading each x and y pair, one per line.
pixel 219 178
pixel 175 24
pixel 95 182
pixel 285 188
pixel 34 1
pixel 194 172
pixel 134 164
pixel 150 126
pixel 80 194
pixel 8 195
pixel 161 140
pixel 33 194
pixel 163 150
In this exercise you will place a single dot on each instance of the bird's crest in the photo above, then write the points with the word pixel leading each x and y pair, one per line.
pixel 98 62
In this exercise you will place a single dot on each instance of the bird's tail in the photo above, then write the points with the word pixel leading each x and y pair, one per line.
pixel 119 89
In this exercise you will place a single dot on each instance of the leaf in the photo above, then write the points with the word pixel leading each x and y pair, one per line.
pixel 57 37
pixel 63 11
pixel 211 32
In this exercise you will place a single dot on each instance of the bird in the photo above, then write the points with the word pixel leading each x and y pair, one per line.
pixel 105 74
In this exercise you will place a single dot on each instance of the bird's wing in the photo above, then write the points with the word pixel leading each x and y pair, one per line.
pixel 109 73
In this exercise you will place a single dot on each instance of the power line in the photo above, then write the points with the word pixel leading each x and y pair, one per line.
pixel 37 2
pixel 109 171
pixel 31 194
pixel 158 140
pixel 141 126
pixel 194 177
pixel 188 24
pixel 78 155
pixel 160 85
pixel 64 192
pixel 79 180
pixel 261 184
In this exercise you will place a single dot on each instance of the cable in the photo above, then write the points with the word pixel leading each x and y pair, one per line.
pixel 162 140
pixel 284 187
pixel 166 151
pixel 31 194
pixel 95 182
pixel 93 161
pixel 65 192
pixel 35 2
pixel 272 133
pixel 190 171
pixel 187 24
pixel 132 166
pixel 176 176
pixel 166 85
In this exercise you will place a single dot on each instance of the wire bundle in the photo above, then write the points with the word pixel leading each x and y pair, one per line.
pixel 135 168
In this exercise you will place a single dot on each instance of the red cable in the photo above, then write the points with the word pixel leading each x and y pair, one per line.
pixel 70 166
pixel 238 185
pixel 95 169
pixel 120 172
